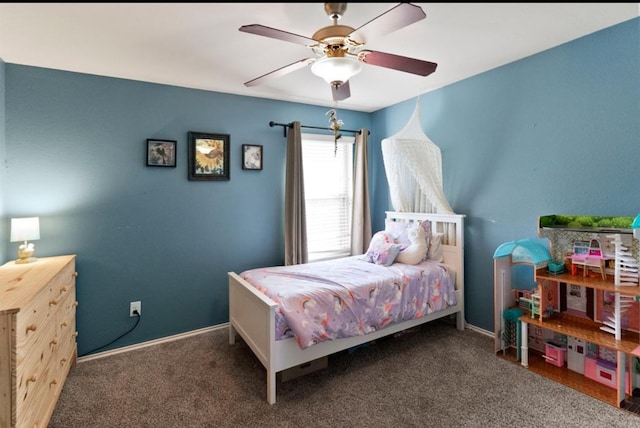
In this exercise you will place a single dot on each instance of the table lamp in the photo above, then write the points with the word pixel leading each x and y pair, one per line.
pixel 23 230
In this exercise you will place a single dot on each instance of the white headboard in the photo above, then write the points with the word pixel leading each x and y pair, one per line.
pixel 452 226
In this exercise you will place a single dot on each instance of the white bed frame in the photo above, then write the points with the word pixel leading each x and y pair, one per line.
pixel 252 314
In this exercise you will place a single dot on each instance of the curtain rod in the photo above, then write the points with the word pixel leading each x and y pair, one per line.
pixel 289 125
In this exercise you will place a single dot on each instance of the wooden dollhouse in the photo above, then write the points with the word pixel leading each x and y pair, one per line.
pixel 586 315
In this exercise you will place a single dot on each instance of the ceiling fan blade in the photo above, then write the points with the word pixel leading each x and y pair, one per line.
pixel 340 92
pixel 400 63
pixel 273 33
pixel 395 18
pixel 280 72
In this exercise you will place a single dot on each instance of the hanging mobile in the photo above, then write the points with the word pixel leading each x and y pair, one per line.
pixel 334 125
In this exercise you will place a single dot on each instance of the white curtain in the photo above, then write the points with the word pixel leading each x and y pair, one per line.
pixel 413 164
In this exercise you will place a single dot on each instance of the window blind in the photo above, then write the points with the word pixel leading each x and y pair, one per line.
pixel 328 187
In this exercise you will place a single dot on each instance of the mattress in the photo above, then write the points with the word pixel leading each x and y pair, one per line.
pixel 349 296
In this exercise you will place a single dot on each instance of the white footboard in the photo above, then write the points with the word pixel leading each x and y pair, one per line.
pixel 252 315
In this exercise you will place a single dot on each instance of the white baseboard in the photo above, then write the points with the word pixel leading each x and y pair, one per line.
pixel 201 331
pixel 152 342
pixel 491 334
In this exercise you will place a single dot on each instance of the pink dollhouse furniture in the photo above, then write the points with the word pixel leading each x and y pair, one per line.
pixel 604 372
pixel 555 354
pixel 588 255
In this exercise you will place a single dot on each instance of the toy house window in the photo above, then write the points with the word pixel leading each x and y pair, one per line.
pixel 575 290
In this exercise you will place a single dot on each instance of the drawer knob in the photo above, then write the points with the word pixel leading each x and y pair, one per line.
pixel 54 302
pixel 75 274
pixel 62 361
pixel 63 289
pixel 75 304
pixel 53 342
pixel 31 378
pixel 64 324
pixel 31 327
pixel 75 334
pixel 53 382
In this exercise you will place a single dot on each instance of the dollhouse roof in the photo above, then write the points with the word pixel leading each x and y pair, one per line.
pixel 524 251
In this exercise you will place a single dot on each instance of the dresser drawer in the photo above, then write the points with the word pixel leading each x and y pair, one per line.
pixel 66 332
pixel 41 352
pixel 63 281
pixel 34 406
pixel 66 315
pixel 66 355
pixel 32 322
pixel 35 372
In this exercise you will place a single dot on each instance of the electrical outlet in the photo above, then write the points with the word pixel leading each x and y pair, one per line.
pixel 135 306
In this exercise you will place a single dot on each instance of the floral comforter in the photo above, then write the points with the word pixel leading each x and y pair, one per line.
pixel 349 297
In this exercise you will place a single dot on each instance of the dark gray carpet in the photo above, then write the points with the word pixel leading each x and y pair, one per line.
pixel 433 376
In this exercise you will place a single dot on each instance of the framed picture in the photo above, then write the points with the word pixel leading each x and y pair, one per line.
pixel 161 153
pixel 251 156
pixel 208 156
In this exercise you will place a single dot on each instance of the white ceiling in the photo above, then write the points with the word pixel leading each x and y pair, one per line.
pixel 198 45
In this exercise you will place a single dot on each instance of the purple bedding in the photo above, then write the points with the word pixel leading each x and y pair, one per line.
pixel 349 297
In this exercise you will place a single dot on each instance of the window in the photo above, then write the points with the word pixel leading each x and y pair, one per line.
pixel 328 191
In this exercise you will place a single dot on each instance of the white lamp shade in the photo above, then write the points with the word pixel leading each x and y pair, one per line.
pixel 25 229
pixel 336 69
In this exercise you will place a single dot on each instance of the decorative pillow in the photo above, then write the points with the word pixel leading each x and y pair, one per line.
pixel 398 229
pixel 435 247
pixel 383 249
pixel 384 236
pixel 417 251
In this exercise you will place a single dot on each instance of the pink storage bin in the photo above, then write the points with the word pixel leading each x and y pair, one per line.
pixel 555 354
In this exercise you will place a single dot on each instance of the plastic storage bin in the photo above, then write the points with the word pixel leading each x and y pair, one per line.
pixel 555 354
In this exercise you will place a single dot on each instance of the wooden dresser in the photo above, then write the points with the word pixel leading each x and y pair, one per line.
pixel 37 338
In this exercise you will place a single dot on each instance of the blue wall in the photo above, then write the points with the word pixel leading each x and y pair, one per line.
pixel 556 132
pixel 77 147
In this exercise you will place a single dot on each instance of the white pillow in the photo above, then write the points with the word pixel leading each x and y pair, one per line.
pixel 417 251
pixel 435 247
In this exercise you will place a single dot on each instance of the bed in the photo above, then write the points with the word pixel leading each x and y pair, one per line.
pixel 256 319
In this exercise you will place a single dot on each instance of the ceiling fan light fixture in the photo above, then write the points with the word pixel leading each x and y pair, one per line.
pixel 339 49
pixel 336 69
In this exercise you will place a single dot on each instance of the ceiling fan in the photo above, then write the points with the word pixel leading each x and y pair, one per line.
pixel 339 49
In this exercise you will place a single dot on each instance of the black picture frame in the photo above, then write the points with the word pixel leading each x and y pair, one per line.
pixel 209 156
pixel 252 157
pixel 161 153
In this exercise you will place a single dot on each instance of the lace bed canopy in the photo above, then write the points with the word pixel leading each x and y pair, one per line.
pixel 413 165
